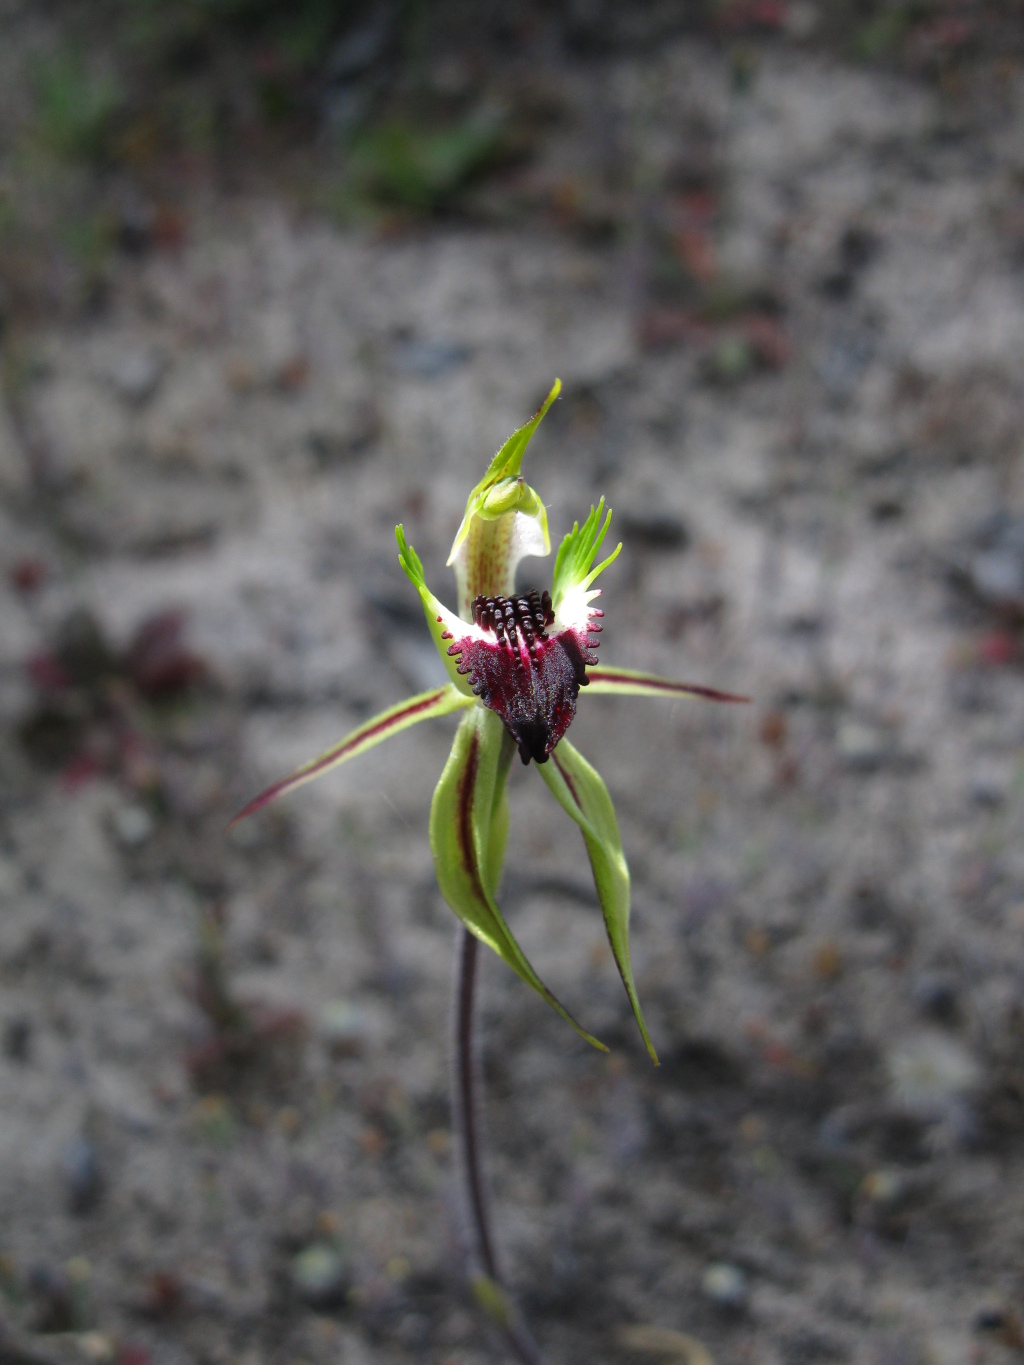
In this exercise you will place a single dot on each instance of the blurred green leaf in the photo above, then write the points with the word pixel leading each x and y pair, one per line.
pixel 306 30
pixel 416 168
pixel 76 107
pixel 880 36
pixel 492 1299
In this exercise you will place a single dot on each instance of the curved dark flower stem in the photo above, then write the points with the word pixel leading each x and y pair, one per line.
pixel 468 1144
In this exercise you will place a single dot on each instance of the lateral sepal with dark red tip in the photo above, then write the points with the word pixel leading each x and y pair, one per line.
pixel 439 701
pixel 627 682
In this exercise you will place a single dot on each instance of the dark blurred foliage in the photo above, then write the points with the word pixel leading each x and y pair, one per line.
pixel 94 706
pixel 356 107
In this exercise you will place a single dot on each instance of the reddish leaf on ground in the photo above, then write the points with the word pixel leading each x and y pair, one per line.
pixel 765 337
pixel 157 660
pixel 998 648
pixel 47 672
pixel 81 770
pixel 28 574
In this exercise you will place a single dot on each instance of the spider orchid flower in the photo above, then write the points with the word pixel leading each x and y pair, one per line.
pixel 516 663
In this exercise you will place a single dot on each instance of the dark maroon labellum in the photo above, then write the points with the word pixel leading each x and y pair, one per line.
pixel 527 677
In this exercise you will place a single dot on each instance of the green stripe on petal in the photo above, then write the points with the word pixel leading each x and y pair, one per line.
pixel 626 682
pixel 439 701
pixel 485 563
pixel 580 791
pixel 468 825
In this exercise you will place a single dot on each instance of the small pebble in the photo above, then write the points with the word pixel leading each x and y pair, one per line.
pixel 935 996
pixel 928 1074
pixel 726 1286
pixel 885 1189
pixel 990 785
pixel 834 1131
pixel 17 1038
pixel 344 1028
pixel 998 576
pixel 83 1177
pixel 136 376
pixel 97 1346
pixel 320 1276
pixel 827 961
pixel 861 747
pixel 840 364
pixel 422 359
pixel 132 825
pixel 1001 1323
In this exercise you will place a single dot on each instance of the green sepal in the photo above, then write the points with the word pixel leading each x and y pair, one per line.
pixel 577 553
pixel 439 701
pixel 580 791
pixel 468 827
pixel 440 621
pixel 491 501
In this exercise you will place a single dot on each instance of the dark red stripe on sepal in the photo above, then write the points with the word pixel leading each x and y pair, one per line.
pixel 622 679
pixel 437 702
pixel 468 820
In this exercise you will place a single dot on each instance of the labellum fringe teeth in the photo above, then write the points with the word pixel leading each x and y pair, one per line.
pixel 527 677
pixel 530 614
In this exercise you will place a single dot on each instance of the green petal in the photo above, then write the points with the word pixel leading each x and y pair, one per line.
pixel 625 682
pixel 577 553
pixel 440 621
pixel 579 790
pixel 437 702
pixel 468 825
